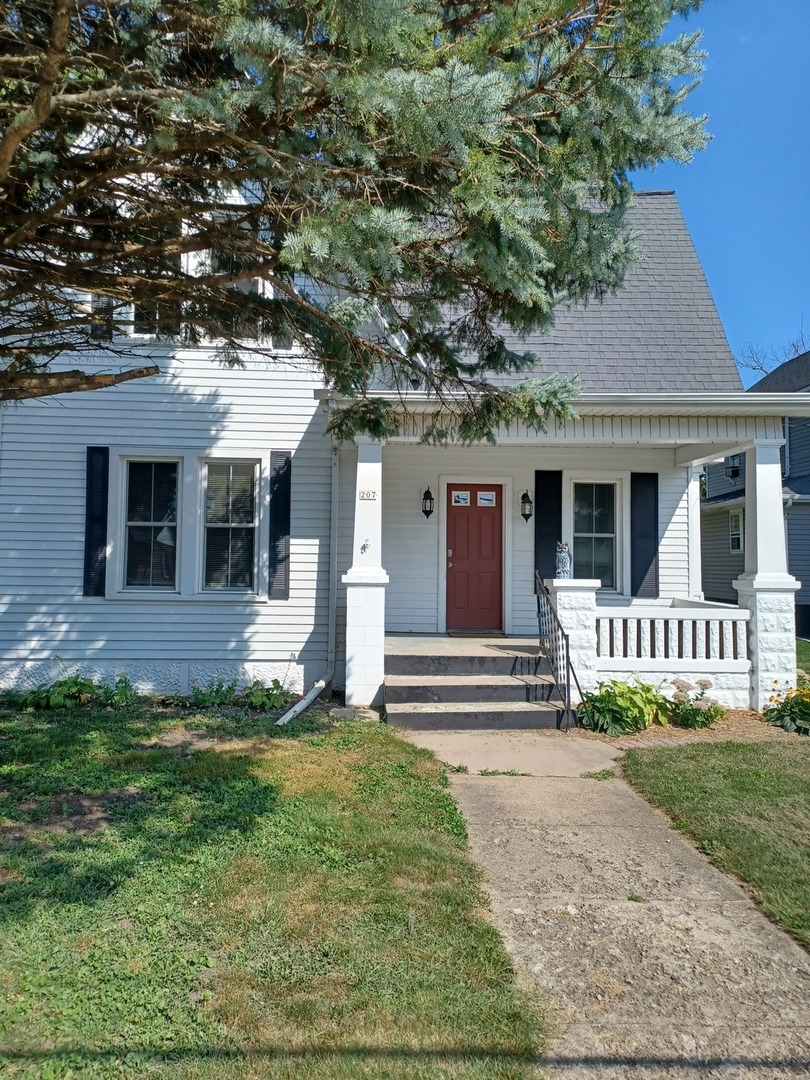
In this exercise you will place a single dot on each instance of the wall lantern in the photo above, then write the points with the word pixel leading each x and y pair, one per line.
pixel 526 506
pixel 427 503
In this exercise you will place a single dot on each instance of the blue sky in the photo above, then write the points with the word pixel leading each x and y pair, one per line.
pixel 746 198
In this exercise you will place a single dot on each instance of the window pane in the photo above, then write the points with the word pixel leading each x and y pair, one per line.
pixel 241 559
pixel 217 542
pixel 151 556
pixel 604 498
pixel 164 504
pixel 242 494
pixel 583 508
pixel 229 558
pixel 583 557
pixel 216 495
pixel 139 495
pixel 603 561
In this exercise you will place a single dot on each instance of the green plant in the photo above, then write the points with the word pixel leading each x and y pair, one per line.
pixel 216 692
pixel 790 709
pixel 619 707
pixel 120 694
pixel 690 708
pixel 64 693
pixel 603 774
pixel 458 768
pixel 266 698
pixel 502 772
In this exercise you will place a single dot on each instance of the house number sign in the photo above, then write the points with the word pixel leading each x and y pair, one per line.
pixel 368 496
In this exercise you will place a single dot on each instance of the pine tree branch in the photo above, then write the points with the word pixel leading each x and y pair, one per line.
pixel 19 387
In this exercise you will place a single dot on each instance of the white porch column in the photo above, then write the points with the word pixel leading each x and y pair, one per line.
pixel 574 600
pixel 365 583
pixel 766 587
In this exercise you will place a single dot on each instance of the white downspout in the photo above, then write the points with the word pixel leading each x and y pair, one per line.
pixel 329 674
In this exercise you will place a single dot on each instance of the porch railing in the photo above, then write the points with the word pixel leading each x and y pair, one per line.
pixel 707 638
pixel 554 645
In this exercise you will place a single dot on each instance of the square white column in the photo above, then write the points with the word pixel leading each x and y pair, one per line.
pixel 766 588
pixel 365 583
pixel 574 600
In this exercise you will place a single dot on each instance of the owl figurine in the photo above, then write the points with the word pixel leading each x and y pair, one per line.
pixel 562 566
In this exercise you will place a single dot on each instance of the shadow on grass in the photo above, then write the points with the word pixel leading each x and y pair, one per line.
pixel 399 1054
pixel 87 799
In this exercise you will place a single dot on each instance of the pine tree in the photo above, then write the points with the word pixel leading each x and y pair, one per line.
pixel 384 184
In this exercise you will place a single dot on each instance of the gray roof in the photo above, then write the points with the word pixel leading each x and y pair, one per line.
pixel 792 375
pixel 660 332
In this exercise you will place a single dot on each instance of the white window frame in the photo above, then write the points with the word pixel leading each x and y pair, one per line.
pixel 739 532
pixel 190 537
pixel 257 477
pixel 621 482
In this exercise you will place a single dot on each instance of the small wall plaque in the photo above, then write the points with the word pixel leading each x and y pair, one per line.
pixel 368 496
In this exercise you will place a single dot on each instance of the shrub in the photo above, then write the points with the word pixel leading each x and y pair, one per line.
pixel 216 692
pixel 691 708
pixel 64 693
pixel 619 707
pixel 790 709
pixel 122 693
pixel 266 698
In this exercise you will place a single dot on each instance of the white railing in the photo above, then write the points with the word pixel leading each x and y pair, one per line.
pixel 706 638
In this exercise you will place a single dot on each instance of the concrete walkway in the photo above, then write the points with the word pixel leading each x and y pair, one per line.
pixel 655 964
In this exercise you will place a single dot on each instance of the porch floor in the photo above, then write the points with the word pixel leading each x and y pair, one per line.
pixel 442 645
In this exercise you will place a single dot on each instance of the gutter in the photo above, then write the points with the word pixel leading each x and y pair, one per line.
pixel 329 674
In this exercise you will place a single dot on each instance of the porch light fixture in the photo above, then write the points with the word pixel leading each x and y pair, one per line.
pixel 526 506
pixel 428 503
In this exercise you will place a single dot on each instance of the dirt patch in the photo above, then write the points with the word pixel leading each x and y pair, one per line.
pixel 69 813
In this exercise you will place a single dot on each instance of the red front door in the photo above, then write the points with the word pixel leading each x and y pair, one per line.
pixel 474 557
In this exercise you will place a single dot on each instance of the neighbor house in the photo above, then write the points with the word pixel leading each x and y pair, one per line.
pixel 201 524
pixel 723 507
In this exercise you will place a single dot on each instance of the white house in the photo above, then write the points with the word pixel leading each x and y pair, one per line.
pixel 201 524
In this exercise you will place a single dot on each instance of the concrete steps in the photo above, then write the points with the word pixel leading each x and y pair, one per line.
pixel 436 683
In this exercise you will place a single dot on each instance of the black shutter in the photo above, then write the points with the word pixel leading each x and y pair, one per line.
pixel 644 534
pixel 280 492
pixel 95 521
pixel 547 520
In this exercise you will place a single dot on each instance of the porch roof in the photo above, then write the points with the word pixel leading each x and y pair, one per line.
pixel 733 404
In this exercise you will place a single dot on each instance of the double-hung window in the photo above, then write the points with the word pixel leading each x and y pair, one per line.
pixel 151 524
pixel 230 525
pixel 595 532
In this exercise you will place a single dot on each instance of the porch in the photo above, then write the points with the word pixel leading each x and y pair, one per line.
pixel 643 612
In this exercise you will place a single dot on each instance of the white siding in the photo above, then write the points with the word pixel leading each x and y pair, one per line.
pixel 195 407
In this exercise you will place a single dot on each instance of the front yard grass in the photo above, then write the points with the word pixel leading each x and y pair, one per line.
pixel 803 654
pixel 747 805
pixel 199 897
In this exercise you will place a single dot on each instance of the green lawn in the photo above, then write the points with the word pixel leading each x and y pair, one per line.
pixel 747 805
pixel 803 654
pixel 262 906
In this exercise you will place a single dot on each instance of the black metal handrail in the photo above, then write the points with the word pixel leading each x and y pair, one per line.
pixel 554 644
